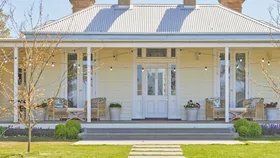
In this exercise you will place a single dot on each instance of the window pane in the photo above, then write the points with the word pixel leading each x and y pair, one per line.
pixel 173 79
pixel 222 76
pixel 240 80
pixel 162 81
pixel 139 52
pixel 151 81
pixel 156 53
pixel 85 76
pixel 20 76
pixel 72 80
pixel 173 52
pixel 139 80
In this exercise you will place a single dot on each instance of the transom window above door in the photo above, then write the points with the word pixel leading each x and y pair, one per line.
pixel 156 52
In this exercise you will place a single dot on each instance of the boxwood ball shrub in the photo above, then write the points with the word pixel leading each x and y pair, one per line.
pixel 75 124
pixel 255 130
pixel 243 131
pixel 72 133
pixel 241 122
pixel 60 131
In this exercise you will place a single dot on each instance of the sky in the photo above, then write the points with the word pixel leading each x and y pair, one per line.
pixel 56 9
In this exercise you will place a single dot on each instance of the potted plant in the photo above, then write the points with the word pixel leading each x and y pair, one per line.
pixel 115 111
pixel 271 110
pixel 192 110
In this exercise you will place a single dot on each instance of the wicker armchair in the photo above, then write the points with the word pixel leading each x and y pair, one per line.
pixel 57 107
pixel 213 112
pixel 98 108
pixel 255 108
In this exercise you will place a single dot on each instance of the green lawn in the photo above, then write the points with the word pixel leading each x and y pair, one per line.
pixel 61 150
pixel 232 151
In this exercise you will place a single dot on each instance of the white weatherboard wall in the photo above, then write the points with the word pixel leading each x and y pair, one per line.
pixel 195 83
pixel 116 85
pixel 260 89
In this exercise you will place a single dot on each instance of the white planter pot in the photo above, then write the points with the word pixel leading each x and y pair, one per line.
pixel 271 113
pixel 192 114
pixel 115 114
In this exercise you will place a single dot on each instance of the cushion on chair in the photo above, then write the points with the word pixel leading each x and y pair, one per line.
pixel 216 101
pixel 58 103
pixel 251 103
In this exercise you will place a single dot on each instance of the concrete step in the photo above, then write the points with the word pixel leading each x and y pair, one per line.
pixel 155 153
pixel 160 130
pixel 157 136
pixel 156 149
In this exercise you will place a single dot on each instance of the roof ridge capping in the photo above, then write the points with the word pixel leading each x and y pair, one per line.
pixel 272 27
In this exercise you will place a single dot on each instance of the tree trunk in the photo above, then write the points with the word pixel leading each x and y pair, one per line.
pixel 29 138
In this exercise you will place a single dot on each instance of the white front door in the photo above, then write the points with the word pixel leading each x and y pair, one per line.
pixel 156 86
pixel 76 79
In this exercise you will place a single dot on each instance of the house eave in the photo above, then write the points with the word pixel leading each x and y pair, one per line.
pixel 139 37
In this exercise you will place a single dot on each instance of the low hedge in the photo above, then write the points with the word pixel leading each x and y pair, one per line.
pixel 37 132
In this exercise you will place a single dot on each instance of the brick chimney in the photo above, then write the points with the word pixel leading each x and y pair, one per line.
pixel 81 4
pixel 189 2
pixel 124 2
pixel 233 4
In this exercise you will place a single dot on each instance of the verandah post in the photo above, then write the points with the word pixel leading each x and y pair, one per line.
pixel 226 84
pixel 15 101
pixel 88 84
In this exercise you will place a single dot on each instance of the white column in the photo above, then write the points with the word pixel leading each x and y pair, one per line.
pixel 88 84
pixel 15 84
pixel 227 84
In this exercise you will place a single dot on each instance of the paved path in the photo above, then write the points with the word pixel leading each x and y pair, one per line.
pixel 156 151
pixel 146 142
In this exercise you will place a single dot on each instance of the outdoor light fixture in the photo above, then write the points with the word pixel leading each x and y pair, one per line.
pixel 143 69
pixel 268 63
pixel 52 64
pixel 111 68
pixel 263 60
pixel 174 69
pixel 206 68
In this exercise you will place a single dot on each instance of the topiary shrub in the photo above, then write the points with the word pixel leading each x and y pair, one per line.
pixel 255 130
pixel 72 133
pixel 243 131
pixel 75 124
pixel 241 122
pixel 60 131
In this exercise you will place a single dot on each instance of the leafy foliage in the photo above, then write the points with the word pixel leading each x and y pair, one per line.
pixel 115 105
pixel 72 133
pixel 243 131
pixel 69 131
pixel 241 122
pixel 75 124
pixel 2 130
pixel 60 131
pixel 255 130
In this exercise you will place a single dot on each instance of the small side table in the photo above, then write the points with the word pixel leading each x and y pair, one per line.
pixel 76 112
pixel 237 112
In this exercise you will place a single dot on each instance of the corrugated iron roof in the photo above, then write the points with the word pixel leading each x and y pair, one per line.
pixel 157 19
